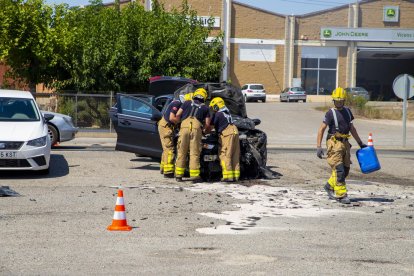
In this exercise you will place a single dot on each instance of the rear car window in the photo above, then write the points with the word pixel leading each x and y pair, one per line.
pixel 256 87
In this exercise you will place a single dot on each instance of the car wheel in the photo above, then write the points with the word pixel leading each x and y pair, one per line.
pixel 288 99
pixel 53 134
pixel 263 101
pixel 304 101
pixel 245 99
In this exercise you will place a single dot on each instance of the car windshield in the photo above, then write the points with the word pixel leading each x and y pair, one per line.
pixel 298 89
pixel 256 87
pixel 18 109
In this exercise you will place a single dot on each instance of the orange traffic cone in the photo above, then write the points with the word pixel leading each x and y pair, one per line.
pixel 370 141
pixel 119 223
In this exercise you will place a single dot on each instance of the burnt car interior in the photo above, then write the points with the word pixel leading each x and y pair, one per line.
pixel 135 121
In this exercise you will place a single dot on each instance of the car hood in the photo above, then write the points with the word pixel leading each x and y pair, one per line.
pixel 21 131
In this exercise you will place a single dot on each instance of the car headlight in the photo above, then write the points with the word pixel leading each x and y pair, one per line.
pixel 39 142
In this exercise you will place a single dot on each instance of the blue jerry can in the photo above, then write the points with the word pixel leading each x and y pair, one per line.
pixel 368 160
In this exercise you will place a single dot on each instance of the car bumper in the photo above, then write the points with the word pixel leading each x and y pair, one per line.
pixel 299 97
pixel 256 96
pixel 27 158
pixel 68 133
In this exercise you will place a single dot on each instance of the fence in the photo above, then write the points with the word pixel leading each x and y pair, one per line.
pixel 89 111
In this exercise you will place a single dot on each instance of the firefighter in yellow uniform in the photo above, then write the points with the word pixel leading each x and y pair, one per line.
pixel 339 119
pixel 166 127
pixel 194 116
pixel 228 140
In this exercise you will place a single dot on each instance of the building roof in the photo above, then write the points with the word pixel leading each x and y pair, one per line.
pixel 4 93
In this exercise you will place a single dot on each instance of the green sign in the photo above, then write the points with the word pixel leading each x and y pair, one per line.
pixel 391 12
pixel 327 33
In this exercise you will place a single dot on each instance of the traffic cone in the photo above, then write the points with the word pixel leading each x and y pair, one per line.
pixel 370 141
pixel 119 222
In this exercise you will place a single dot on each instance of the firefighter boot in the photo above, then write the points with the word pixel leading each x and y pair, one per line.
pixel 328 189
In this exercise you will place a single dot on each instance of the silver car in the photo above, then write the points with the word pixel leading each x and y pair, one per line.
pixel 357 92
pixel 60 128
pixel 253 92
pixel 293 94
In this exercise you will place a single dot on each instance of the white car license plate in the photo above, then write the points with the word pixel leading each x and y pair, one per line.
pixel 8 154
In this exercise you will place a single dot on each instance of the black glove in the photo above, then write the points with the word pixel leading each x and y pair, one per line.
pixel 362 145
pixel 320 153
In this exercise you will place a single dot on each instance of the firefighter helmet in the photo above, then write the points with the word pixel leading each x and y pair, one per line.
pixel 339 94
pixel 217 103
pixel 200 93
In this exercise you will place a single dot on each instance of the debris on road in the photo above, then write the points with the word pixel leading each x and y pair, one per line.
pixel 6 191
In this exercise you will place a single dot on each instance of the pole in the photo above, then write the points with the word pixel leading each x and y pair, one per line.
pixel 405 100
pixel 76 110
pixel 110 105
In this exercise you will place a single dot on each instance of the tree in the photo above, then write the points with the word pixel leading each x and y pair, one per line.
pixel 99 48
pixel 28 40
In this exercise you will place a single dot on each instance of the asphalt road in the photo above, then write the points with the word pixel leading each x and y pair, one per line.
pixel 278 226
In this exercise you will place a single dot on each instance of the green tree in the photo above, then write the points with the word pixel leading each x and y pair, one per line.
pixel 29 41
pixel 119 49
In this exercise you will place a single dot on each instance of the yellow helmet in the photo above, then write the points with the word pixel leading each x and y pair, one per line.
pixel 188 96
pixel 217 103
pixel 339 94
pixel 200 93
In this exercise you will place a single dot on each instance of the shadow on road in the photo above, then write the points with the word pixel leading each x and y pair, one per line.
pixel 373 199
pixel 58 168
pixel 148 167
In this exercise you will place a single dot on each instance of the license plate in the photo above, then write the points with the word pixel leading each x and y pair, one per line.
pixel 210 158
pixel 8 154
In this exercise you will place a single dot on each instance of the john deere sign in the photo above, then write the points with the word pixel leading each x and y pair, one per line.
pixel 391 13
pixel 327 33
pixel 364 34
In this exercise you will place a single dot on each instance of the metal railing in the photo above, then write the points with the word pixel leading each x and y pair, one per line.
pixel 88 111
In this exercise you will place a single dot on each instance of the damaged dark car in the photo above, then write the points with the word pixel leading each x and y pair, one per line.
pixel 135 119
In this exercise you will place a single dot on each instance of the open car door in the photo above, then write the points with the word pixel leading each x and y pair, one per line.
pixel 135 123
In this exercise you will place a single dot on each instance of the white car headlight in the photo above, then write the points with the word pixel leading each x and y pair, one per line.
pixel 39 142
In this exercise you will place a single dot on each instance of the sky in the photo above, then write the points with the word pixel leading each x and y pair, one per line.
pixel 290 7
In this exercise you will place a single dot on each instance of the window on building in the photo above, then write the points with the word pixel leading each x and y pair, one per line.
pixel 319 69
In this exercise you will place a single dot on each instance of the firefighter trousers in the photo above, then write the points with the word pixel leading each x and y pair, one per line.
pixel 189 143
pixel 166 131
pixel 230 153
pixel 339 159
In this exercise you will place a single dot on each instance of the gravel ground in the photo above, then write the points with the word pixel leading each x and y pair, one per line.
pixel 263 227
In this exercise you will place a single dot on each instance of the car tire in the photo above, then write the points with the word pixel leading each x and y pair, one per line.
pixel 263 101
pixel 304 101
pixel 53 134
pixel 288 100
pixel 245 99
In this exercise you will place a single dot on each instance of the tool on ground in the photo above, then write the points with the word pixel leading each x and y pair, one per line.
pixel 119 222
pixel 367 157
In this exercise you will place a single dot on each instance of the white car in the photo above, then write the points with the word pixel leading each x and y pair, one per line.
pixel 24 139
pixel 254 92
